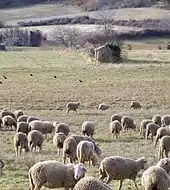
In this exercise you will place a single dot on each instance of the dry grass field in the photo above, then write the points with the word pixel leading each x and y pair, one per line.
pixel 144 76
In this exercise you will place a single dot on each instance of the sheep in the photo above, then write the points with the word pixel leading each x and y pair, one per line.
pixel 22 127
pixel 72 106
pixel 156 177
pixel 58 140
pixel 22 118
pixel 35 139
pixel 43 126
pixel 116 117
pixel 135 105
pixel 165 120
pixel 20 143
pixel 1 167
pixel 127 123
pixel 151 128
pixel 143 126
pixel 103 107
pixel 88 128
pixel 120 168
pixel 164 146
pixel 32 118
pixel 86 152
pixel 5 113
pixel 115 128
pixel 69 149
pixel 18 113
pixel 8 121
pixel 63 128
pixel 157 119
pixel 53 174
pixel 162 131
pixel 91 183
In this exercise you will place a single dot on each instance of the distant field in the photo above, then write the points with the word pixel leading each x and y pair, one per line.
pixel 144 77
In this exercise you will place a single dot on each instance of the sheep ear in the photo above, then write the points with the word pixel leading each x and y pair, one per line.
pixel 165 161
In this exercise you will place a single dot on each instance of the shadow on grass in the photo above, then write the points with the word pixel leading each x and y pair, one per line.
pixel 134 61
pixel 90 114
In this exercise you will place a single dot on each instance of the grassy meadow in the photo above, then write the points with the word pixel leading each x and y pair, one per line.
pixel 144 76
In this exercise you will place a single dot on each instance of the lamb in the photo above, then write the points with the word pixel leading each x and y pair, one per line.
pixel 72 106
pixel 127 123
pixel 120 168
pixel 165 120
pixel 157 119
pixel 151 128
pixel 103 107
pixel 35 139
pixel 116 117
pixel 8 121
pixel 88 128
pixel 115 127
pixel 162 131
pixel 90 183
pixel 135 105
pixel 53 174
pixel 58 140
pixel 18 113
pixel 32 118
pixel 86 152
pixel 5 113
pixel 156 177
pixel 22 118
pixel 63 128
pixel 164 146
pixel 143 126
pixel 22 127
pixel 20 143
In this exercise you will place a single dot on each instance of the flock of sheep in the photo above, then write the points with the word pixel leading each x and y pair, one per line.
pixel 31 133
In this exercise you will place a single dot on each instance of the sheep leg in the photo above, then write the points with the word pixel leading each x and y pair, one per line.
pixel 109 179
pixel 116 135
pixel 152 137
pixel 16 150
pixel 120 184
pixel 166 153
pixel 156 140
pixel 134 181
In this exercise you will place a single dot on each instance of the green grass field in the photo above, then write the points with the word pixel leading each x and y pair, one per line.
pixel 145 76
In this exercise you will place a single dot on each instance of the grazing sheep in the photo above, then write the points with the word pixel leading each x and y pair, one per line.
pixel 20 143
pixel 63 128
pixel 103 107
pixel 58 140
pixel 90 183
pixel 157 119
pixel 32 118
pixel 162 131
pixel 72 106
pixel 86 152
pixel 53 174
pixel 151 128
pixel 116 117
pixel 135 105
pixel 88 128
pixel 22 118
pixel 5 113
pixel 120 168
pixel 18 113
pixel 22 127
pixel 165 120
pixel 127 123
pixel 8 121
pixel 115 127
pixel 43 126
pixel 156 177
pixel 164 146
pixel 143 126
pixel 1 167
pixel 35 139
pixel 69 149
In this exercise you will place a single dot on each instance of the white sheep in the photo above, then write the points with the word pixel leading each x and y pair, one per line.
pixel 62 127
pixel 103 107
pixel 58 140
pixel 157 119
pixel 53 174
pixel 20 143
pixel 86 152
pixel 35 139
pixel 32 118
pixel 116 117
pixel 18 113
pixel 164 146
pixel 72 106
pixel 143 126
pixel 115 128
pixel 8 121
pixel 91 183
pixel 120 168
pixel 88 128
pixel 22 118
pixel 165 120
pixel 127 123
pixel 6 112
pixel 135 105
pixel 151 128
pixel 22 127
